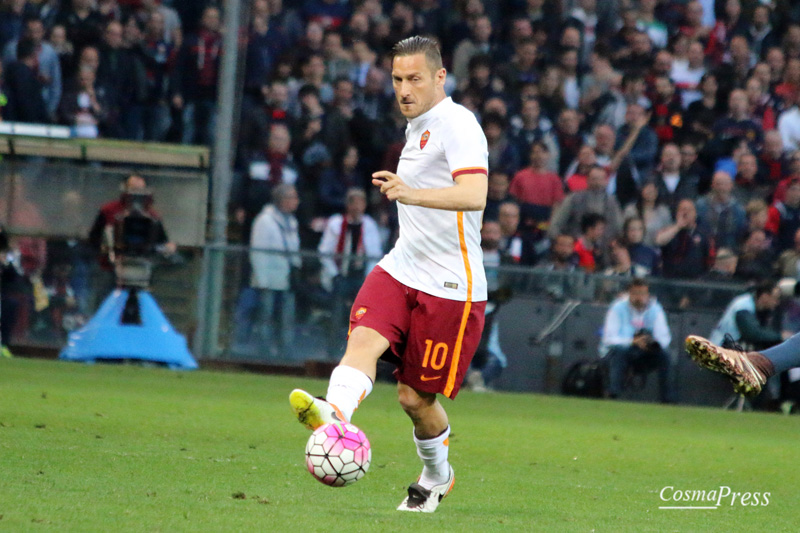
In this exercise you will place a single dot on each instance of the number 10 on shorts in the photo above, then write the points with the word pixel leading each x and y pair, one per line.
pixel 436 359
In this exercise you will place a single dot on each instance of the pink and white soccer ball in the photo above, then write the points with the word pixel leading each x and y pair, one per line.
pixel 338 454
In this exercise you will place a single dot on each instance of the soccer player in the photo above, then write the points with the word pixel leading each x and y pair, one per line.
pixel 422 307
pixel 748 371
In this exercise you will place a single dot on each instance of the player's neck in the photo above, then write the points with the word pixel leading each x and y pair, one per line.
pixel 440 97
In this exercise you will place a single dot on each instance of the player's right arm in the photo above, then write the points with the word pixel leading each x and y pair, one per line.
pixel 468 193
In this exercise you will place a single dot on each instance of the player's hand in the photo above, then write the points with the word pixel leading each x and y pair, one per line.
pixel 393 187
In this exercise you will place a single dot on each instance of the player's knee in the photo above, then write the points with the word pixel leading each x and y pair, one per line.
pixel 366 343
pixel 413 401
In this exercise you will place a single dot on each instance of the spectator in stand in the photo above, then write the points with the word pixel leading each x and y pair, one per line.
pixel 589 245
pixel 12 16
pixel 568 137
pixel 673 185
pixel 479 42
pixel 171 27
pixel 731 24
pixel 562 256
pixel 703 113
pixel 197 73
pixel 578 172
pixel 694 26
pixel 502 153
pixel 351 245
pixel 265 313
pixel 789 125
pixel 646 259
pixel 537 189
pixel 789 80
pixel 531 126
pixel 158 58
pixel 762 107
pixel 687 76
pixel 523 67
pixel 738 124
pixel 640 57
pixel 760 32
pixel 63 49
pixel 48 67
pixel 788 264
pixel 84 24
pixel 720 213
pixel 23 88
pixel 595 199
pixel 651 210
pixel 86 108
pixel 510 241
pixel 497 194
pixel 747 185
pixel 636 337
pixel 792 174
pixel 724 267
pixel 686 248
pixel 285 26
pixel 773 164
pixel 337 182
pixel 272 166
pixel 784 217
pixel 644 149
pixel 667 116
pixel 756 260
pixel 88 58
pixel 122 73
pixel 621 263
pixel 259 59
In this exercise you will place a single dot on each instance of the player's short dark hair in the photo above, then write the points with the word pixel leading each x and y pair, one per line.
pixel 590 220
pixel 420 45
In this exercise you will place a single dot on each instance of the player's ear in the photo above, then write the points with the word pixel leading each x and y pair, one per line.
pixel 441 75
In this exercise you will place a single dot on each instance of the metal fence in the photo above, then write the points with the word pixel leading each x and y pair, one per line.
pixel 309 322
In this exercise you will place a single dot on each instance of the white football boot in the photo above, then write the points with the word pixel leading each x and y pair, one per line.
pixel 422 500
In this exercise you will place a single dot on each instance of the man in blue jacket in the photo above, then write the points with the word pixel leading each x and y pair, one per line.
pixel 636 336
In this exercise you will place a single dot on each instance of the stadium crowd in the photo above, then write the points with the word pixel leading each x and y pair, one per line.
pixel 633 138
pixel 676 123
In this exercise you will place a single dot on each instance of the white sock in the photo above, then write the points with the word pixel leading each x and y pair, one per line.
pixel 347 387
pixel 433 452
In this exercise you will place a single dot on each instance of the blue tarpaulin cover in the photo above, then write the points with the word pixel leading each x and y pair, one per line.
pixel 105 337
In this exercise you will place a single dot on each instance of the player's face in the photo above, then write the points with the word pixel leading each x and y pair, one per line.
pixel 417 86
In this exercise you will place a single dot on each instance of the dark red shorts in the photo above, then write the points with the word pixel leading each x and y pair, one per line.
pixel 432 339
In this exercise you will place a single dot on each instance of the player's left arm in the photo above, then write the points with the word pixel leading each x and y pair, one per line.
pixel 468 193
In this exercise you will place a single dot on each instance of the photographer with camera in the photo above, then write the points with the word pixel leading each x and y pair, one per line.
pixel 115 230
pixel 636 338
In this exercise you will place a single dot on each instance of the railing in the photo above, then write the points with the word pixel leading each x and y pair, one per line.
pixel 311 323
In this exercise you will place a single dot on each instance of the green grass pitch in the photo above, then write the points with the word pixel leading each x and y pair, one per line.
pixel 120 448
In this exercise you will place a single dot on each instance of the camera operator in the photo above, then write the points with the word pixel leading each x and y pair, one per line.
pixel 636 337
pixel 135 199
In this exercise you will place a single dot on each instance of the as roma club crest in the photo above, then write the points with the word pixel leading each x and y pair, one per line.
pixel 361 311
pixel 424 139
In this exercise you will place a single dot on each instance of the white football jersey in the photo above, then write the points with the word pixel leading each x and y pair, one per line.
pixel 439 252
